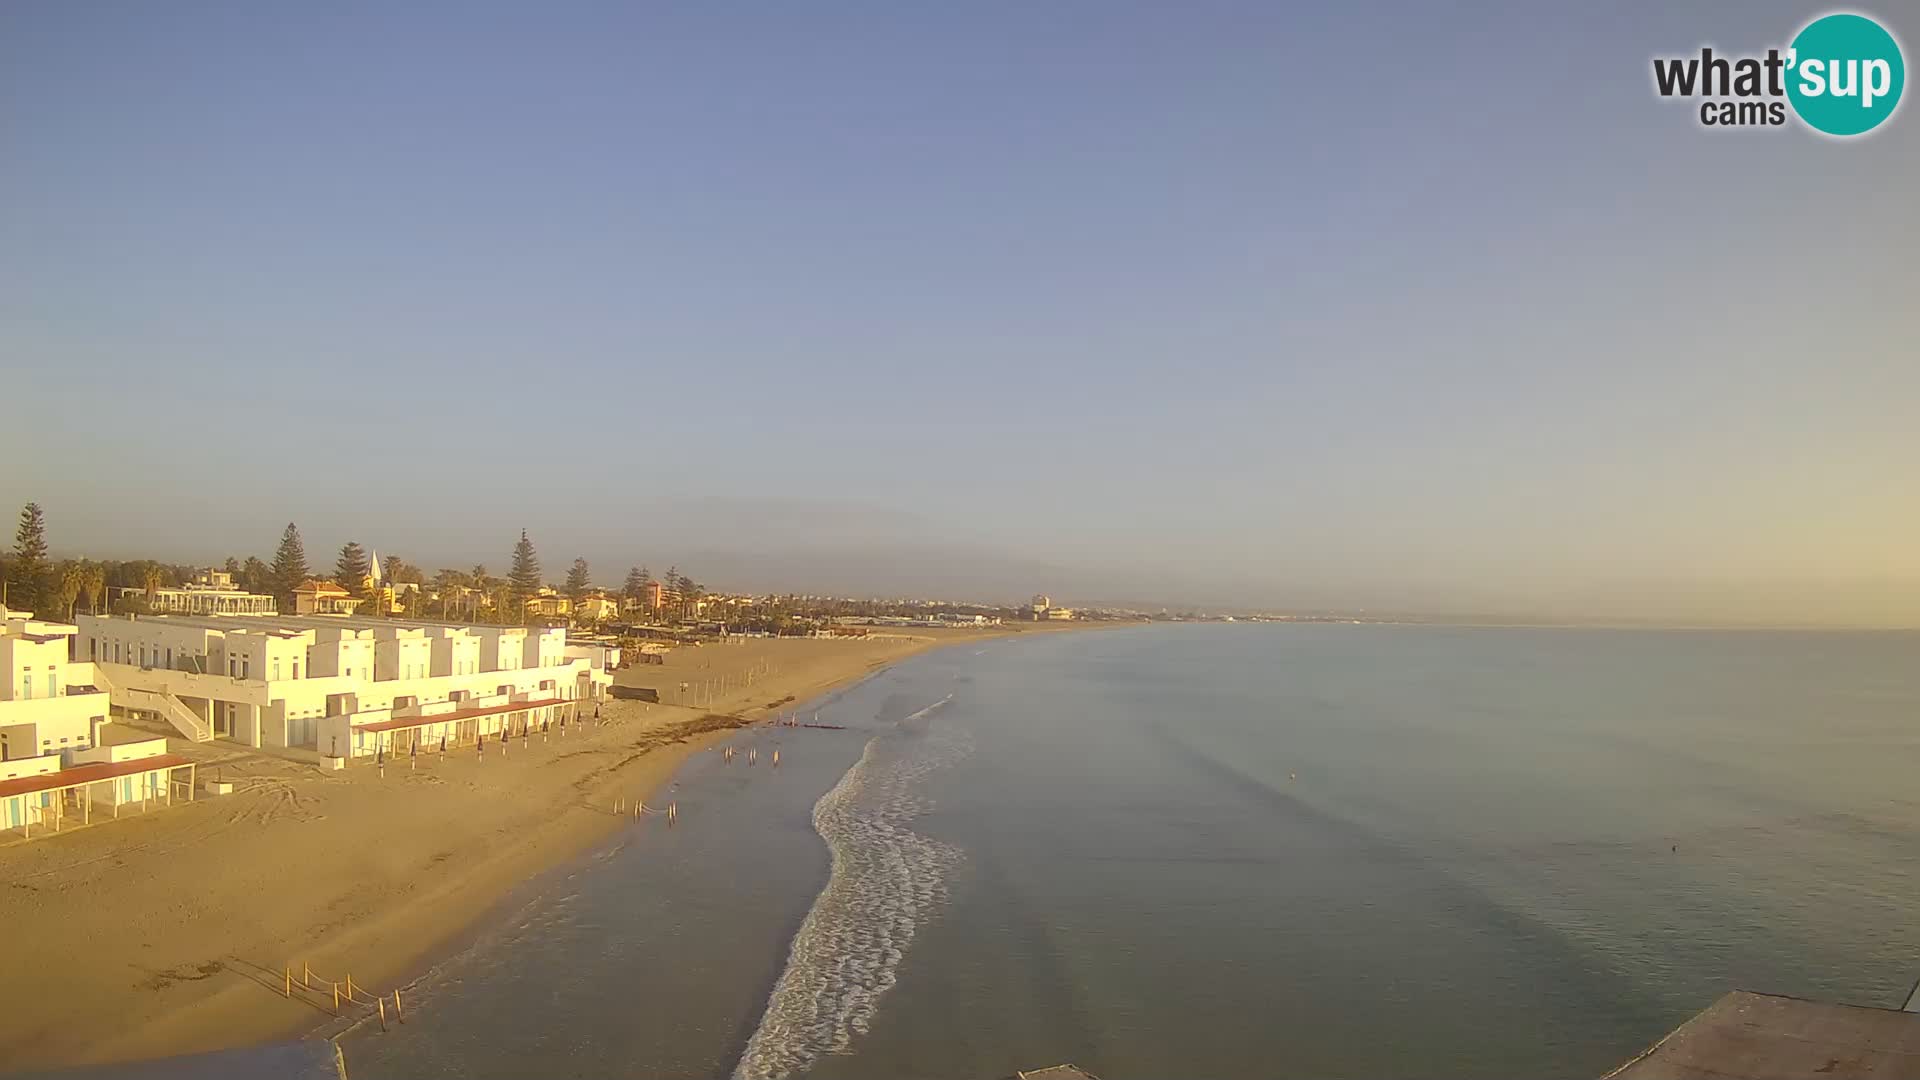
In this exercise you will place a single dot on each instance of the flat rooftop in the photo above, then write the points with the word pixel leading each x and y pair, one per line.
pixel 1748 1036
pixel 90 773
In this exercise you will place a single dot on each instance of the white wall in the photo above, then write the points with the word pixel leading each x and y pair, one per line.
pixel 148 643
pixel 15 768
pixel 455 652
pixel 403 658
pixel 544 647
pixel 502 648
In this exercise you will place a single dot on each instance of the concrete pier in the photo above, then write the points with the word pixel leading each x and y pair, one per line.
pixel 1748 1036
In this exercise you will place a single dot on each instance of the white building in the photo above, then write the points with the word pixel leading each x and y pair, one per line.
pixel 342 685
pixel 211 592
pixel 49 705
pixel 46 793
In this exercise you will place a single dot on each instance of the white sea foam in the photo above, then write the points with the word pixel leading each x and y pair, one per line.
pixel 886 881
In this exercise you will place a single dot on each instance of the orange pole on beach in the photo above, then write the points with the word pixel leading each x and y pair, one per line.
pixel 336 997
pixel 306 976
pixel 349 986
pixel 289 988
pixel 382 1002
pixel 396 1006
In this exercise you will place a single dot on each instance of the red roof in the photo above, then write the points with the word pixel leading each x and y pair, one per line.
pixel 91 773
pixel 459 714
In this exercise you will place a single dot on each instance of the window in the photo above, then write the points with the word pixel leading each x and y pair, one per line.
pixel 53 684
pixel 276 670
pixel 296 669
pixel 26 686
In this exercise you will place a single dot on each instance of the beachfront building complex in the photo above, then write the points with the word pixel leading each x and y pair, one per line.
pixel 342 685
pixel 211 592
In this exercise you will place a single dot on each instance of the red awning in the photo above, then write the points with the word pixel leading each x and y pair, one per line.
pixel 91 773
pixel 459 714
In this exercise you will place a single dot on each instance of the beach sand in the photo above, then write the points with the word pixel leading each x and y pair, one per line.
pixel 169 931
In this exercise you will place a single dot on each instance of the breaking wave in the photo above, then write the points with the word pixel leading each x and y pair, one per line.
pixel 886 881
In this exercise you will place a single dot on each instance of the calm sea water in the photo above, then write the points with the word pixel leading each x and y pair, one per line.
pixel 1231 851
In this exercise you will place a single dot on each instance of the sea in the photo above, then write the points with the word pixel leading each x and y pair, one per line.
pixel 1228 850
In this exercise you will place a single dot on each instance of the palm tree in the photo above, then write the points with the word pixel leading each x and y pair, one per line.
pixel 73 578
pixel 479 581
pixel 95 586
pixel 150 578
pixel 445 583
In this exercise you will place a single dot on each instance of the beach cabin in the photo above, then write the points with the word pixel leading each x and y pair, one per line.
pixel 458 725
pixel 36 794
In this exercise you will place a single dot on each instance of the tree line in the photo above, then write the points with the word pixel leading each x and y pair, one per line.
pixel 31 581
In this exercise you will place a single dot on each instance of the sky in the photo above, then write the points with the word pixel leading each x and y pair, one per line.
pixel 1396 307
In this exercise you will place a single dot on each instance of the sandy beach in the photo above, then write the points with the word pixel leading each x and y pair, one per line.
pixel 170 931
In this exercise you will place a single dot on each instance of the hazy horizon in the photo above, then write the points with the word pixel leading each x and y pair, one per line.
pixel 1217 305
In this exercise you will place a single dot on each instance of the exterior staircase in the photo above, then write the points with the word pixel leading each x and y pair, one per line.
pixel 158 702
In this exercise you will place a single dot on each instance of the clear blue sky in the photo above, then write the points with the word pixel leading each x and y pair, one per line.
pixel 1384 305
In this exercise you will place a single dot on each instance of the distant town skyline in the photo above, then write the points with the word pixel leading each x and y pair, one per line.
pixel 1152 304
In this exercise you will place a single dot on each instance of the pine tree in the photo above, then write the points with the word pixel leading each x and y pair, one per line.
pixel 525 575
pixel 636 585
pixel 350 569
pixel 289 570
pixel 29 570
pixel 394 564
pixel 577 580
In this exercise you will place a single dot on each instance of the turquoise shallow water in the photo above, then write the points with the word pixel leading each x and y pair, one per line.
pixel 1232 850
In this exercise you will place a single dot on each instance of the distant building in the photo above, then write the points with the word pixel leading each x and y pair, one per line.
pixel 548 604
pixel 317 597
pixel 596 607
pixel 653 597
pixel 1059 614
pixel 211 592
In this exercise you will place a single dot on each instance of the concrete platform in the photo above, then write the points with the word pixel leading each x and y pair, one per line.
pixel 1748 1036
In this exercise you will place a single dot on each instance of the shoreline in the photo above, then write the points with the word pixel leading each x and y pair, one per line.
pixel 188 918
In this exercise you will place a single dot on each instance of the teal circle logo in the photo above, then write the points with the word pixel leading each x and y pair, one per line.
pixel 1845 74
